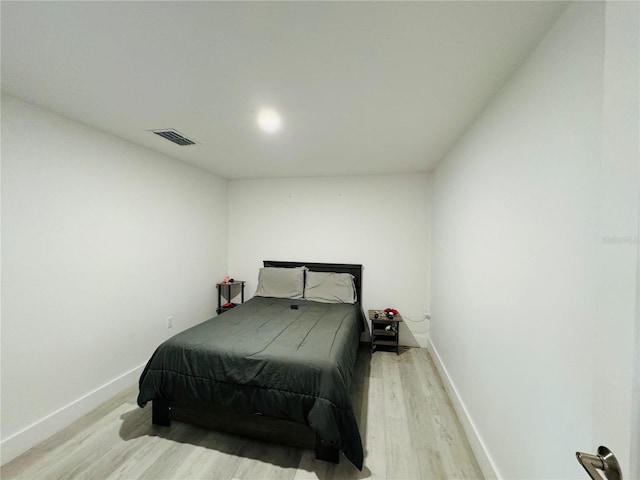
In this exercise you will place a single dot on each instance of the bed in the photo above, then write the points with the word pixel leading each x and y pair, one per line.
pixel 277 367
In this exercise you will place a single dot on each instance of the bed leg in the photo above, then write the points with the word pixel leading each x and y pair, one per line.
pixel 160 412
pixel 326 453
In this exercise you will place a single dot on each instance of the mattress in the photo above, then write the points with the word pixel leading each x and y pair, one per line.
pixel 290 359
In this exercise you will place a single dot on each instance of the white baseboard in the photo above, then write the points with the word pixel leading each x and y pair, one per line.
pixel 477 445
pixel 39 431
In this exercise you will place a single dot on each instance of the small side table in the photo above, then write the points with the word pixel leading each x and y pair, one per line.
pixel 385 332
pixel 229 291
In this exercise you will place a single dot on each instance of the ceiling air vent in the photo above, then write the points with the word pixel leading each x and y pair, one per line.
pixel 174 136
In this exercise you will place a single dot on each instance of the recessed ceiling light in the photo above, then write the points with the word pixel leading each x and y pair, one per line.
pixel 269 120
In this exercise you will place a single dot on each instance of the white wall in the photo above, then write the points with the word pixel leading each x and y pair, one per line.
pixel 381 222
pixel 527 297
pixel 101 241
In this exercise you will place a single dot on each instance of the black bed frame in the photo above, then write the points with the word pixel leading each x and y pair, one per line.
pixel 261 427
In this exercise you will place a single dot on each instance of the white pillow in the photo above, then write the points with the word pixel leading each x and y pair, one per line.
pixel 281 282
pixel 330 287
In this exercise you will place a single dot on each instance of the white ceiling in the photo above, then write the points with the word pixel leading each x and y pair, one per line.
pixel 362 87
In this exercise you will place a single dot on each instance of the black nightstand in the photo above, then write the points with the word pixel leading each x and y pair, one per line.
pixel 229 291
pixel 384 331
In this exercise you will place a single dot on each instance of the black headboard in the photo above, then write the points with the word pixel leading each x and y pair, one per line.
pixel 353 269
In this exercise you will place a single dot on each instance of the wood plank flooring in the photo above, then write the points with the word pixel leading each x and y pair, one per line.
pixel 408 427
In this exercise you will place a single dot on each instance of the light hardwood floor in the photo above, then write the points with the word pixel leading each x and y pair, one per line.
pixel 408 427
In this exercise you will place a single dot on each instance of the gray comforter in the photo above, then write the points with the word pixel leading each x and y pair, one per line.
pixel 265 357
